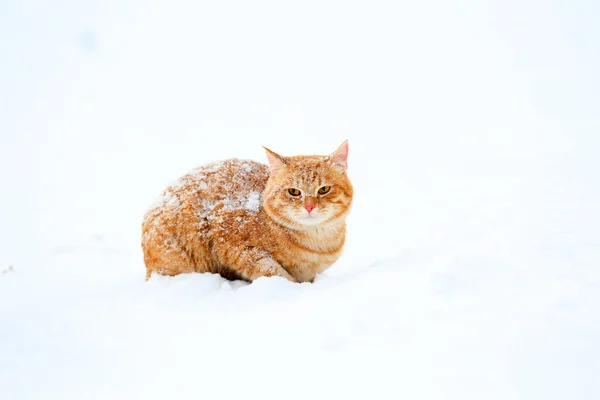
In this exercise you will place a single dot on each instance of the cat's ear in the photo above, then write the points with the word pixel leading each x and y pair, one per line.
pixel 339 158
pixel 275 160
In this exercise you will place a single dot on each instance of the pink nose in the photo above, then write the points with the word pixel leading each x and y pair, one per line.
pixel 309 207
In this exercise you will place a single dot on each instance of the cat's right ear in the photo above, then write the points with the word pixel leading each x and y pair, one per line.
pixel 339 158
pixel 275 160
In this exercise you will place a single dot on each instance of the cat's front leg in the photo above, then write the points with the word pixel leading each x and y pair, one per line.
pixel 253 263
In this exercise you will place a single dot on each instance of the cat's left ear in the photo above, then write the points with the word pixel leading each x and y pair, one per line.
pixel 275 160
pixel 339 158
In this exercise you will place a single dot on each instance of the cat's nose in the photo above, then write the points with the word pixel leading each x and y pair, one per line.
pixel 310 203
pixel 309 207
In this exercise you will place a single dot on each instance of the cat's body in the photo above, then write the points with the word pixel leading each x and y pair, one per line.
pixel 239 219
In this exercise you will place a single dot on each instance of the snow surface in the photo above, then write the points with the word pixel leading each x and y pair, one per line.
pixel 471 269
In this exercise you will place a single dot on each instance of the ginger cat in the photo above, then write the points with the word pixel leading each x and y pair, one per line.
pixel 243 220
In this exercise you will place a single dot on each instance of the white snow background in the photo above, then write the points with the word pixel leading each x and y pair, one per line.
pixel 471 269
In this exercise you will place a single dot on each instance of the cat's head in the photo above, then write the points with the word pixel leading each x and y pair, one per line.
pixel 305 191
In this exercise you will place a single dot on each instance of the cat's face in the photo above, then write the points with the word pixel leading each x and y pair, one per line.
pixel 306 191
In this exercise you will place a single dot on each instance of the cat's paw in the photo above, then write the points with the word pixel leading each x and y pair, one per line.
pixel 286 275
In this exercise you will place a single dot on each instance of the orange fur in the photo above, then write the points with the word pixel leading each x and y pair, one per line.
pixel 238 219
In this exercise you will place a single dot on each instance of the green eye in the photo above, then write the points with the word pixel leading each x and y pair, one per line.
pixel 294 192
pixel 324 190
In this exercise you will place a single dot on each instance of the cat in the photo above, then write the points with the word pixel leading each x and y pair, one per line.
pixel 245 220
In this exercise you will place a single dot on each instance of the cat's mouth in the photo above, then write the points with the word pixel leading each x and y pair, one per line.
pixel 310 218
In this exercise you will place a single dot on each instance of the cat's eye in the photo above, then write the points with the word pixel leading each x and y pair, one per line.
pixel 294 192
pixel 324 190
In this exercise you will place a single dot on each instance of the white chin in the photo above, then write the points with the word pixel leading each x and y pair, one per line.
pixel 310 220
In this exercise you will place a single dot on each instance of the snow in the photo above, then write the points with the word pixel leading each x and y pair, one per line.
pixel 167 199
pixel 253 202
pixel 471 264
